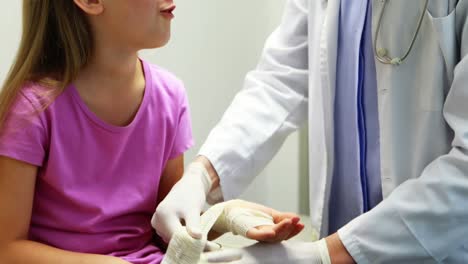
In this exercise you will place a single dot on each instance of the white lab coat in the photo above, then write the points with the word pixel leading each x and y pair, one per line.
pixel 423 112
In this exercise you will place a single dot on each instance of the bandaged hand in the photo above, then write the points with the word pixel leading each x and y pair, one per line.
pixel 184 203
pixel 257 222
pixel 235 216
pixel 267 253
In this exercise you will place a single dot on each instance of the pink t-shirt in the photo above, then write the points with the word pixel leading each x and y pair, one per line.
pixel 97 184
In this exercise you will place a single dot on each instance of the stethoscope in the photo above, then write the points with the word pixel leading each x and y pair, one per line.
pixel 382 53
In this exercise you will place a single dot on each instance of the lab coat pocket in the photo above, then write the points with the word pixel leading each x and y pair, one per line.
pixel 436 89
pixel 440 9
pixel 445 28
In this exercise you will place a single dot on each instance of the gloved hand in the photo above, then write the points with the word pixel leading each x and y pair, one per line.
pixel 280 253
pixel 184 203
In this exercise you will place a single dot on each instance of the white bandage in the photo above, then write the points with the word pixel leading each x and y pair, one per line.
pixel 239 220
pixel 183 249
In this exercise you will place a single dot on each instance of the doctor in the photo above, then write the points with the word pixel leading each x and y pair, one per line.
pixel 384 87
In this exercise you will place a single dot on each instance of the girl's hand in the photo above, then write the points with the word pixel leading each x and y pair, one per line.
pixel 281 226
pixel 287 225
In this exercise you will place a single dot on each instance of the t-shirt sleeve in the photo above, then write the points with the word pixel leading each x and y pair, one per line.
pixel 183 139
pixel 23 134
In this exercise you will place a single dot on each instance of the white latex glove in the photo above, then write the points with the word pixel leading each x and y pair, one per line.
pixel 280 253
pixel 183 203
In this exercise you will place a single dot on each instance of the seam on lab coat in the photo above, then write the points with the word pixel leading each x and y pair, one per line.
pixel 403 220
pixel 302 6
pixel 352 245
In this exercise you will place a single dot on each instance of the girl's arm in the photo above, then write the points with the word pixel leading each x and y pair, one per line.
pixel 171 175
pixel 17 185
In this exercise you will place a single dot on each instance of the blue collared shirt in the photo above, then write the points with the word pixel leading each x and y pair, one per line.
pixel 356 186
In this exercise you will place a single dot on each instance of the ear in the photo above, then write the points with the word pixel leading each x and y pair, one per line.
pixel 90 7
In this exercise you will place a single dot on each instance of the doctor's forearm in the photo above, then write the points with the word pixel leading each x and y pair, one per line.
pixel 338 252
pixel 211 170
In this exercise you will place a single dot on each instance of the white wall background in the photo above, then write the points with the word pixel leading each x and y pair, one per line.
pixel 10 34
pixel 214 44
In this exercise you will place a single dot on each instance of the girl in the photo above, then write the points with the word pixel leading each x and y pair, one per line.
pixel 91 137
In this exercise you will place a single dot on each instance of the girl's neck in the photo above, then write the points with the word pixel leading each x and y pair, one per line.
pixel 112 68
pixel 112 85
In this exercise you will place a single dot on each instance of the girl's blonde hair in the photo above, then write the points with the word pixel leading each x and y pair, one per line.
pixel 56 43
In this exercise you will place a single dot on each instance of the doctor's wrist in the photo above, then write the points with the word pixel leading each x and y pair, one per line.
pixel 338 252
pixel 210 169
